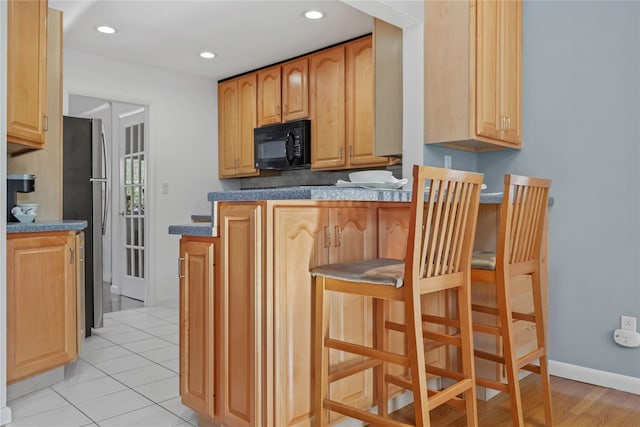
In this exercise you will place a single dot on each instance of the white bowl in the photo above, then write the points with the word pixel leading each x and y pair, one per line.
pixel 371 176
pixel 29 208
pixel 25 217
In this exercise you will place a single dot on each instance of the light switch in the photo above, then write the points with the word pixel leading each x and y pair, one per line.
pixel 165 188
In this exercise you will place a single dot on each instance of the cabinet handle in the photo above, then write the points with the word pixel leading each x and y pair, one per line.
pixel 338 241
pixel 327 237
pixel 350 151
pixel 277 109
pixel 284 108
pixel 72 255
pixel 340 152
pixel 180 275
pixel 46 122
pixel 501 123
pixel 508 120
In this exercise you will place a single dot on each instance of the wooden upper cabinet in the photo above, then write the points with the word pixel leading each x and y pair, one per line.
pixel 269 96
pixel 197 325
pixel 41 303
pixel 27 72
pixel 295 90
pixel 327 108
pixel 473 74
pixel 283 92
pixel 236 121
pixel 360 104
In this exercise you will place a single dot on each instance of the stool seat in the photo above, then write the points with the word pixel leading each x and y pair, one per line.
pixel 380 271
pixel 484 261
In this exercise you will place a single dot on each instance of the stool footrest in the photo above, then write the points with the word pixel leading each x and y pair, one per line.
pixel 530 357
pixel 429 318
pixel 453 340
pixel 489 356
pixel 487 329
pixel 446 373
pixel 353 369
pixel 494 385
pixel 450 394
pixel 366 351
pixel 362 415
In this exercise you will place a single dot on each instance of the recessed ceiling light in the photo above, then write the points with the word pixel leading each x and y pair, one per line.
pixel 106 30
pixel 313 14
pixel 208 55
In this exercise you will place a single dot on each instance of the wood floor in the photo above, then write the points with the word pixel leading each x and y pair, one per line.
pixel 575 404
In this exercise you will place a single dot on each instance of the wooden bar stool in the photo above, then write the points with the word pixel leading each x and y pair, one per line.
pixel 438 258
pixel 522 217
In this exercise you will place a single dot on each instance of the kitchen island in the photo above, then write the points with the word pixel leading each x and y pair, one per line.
pixel 246 298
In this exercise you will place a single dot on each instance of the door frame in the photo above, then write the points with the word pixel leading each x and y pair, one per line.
pixel 150 197
pixel 118 223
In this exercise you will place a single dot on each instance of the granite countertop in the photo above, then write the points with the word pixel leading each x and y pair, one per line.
pixel 204 229
pixel 43 226
pixel 328 193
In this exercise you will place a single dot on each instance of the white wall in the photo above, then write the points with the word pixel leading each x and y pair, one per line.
pixel 182 147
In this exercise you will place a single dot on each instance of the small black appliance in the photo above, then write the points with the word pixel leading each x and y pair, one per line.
pixel 283 146
pixel 18 183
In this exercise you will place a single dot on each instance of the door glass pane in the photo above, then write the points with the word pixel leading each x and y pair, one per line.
pixel 141 252
pixel 128 195
pixel 128 262
pixel 128 230
pixel 135 232
pixel 134 145
pixel 136 264
pixel 128 176
pixel 127 141
pixel 141 137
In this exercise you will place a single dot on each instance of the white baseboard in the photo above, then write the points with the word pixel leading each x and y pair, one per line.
pixel 595 377
pixel 5 415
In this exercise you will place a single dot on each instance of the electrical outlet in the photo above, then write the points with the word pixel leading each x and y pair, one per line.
pixel 628 323
pixel 447 161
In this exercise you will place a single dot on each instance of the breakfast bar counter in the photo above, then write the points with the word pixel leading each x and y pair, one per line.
pixel 46 226
pixel 246 295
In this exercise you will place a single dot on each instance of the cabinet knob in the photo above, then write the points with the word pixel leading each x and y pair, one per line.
pixel 46 122
pixel 277 109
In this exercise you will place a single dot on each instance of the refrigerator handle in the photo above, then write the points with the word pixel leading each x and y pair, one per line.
pixel 105 193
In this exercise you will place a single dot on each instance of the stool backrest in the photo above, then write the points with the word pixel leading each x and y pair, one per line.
pixel 443 224
pixel 523 213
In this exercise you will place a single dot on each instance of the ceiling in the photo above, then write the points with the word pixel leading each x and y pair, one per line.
pixel 170 34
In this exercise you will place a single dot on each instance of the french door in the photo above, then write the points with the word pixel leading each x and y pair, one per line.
pixel 133 141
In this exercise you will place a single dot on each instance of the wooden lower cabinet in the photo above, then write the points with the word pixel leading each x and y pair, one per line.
pixel 305 238
pixel 41 302
pixel 197 323
pixel 240 351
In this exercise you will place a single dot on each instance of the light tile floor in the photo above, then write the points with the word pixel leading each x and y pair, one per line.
pixel 126 376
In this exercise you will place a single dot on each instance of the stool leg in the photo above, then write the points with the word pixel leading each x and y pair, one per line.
pixel 468 369
pixel 508 349
pixel 321 353
pixel 542 343
pixel 380 372
pixel 415 351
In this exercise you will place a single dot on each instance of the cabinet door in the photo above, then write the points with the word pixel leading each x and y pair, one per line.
pixel 269 101
pixel 247 121
pixel 354 238
pixel 510 32
pixel 499 69
pixel 228 128
pixel 327 108
pixel 488 114
pixel 295 90
pixel 41 303
pixel 241 312
pixel 27 72
pixel 301 241
pixel 360 104
pixel 197 375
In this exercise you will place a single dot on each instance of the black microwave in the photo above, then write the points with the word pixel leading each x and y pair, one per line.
pixel 283 146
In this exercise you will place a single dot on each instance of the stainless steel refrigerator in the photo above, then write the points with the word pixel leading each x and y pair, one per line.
pixel 84 196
